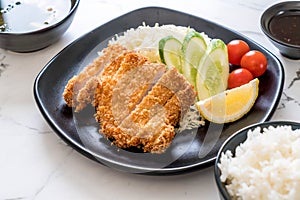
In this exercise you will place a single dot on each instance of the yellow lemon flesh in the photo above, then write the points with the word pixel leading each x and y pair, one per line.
pixel 229 105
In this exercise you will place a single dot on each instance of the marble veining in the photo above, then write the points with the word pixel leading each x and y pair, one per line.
pixel 3 64
pixel 35 164
pixel 296 78
pixel 287 99
pixel 25 126
pixel 53 173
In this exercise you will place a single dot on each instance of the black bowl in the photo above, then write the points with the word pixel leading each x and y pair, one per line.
pixel 38 39
pixel 278 15
pixel 235 140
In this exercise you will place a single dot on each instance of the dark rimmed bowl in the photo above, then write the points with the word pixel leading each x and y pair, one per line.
pixel 39 39
pixel 293 8
pixel 235 140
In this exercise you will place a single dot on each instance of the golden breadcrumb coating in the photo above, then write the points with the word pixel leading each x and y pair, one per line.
pixel 80 89
pixel 137 103
pixel 111 74
pixel 151 124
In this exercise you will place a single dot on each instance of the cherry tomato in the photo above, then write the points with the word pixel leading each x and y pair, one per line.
pixel 255 61
pixel 236 49
pixel 239 77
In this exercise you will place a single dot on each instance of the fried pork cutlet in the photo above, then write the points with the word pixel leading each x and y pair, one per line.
pixel 132 87
pixel 80 89
pixel 108 80
pixel 175 108
pixel 151 124
pixel 123 84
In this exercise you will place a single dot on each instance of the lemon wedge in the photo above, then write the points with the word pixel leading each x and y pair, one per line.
pixel 229 105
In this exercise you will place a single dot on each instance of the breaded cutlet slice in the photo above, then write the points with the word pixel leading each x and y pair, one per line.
pixel 80 89
pixel 123 134
pixel 132 87
pixel 106 83
pixel 175 109
pixel 128 92
pixel 151 125
pixel 168 85
pixel 114 94
pixel 181 102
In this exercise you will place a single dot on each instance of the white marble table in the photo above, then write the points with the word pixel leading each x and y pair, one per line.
pixel 36 164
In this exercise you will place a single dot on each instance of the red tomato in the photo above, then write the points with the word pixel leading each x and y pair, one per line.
pixel 255 61
pixel 239 77
pixel 236 49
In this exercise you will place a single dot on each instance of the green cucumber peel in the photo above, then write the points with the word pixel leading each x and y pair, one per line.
pixel 193 49
pixel 213 71
pixel 169 49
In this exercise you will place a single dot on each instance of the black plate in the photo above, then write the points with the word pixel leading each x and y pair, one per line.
pixel 191 150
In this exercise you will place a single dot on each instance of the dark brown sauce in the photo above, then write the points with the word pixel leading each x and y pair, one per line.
pixel 286 27
pixel 18 16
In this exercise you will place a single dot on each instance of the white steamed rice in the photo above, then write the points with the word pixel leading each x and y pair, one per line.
pixel 265 166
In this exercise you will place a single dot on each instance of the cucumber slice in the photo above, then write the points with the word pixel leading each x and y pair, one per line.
pixel 213 70
pixel 170 52
pixel 193 48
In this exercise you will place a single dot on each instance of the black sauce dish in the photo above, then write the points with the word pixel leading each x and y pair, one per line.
pixel 33 40
pixel 281 24
pixel 234 141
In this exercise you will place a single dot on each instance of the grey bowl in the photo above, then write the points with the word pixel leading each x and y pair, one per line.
pixel 235 140
pixel 39 39
pixel 286 49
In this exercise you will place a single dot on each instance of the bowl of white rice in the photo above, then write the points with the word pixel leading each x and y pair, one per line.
pixel 260 162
